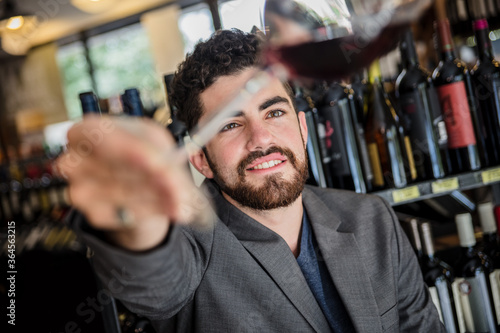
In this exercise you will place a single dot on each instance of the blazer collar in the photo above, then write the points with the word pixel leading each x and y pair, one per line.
pixel 345 264
pixel 276 258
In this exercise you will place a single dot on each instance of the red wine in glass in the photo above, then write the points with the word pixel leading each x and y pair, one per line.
pixel 336 58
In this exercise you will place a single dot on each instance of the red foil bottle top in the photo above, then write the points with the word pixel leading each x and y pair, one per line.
pixel 481 24
pixel 444 34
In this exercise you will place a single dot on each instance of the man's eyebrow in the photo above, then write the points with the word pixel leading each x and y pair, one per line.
pixel 272 101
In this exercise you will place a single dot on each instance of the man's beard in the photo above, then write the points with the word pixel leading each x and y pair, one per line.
pixel 275 193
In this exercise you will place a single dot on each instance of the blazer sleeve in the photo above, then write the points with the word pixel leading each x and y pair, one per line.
pixel 156 283
pixel 417 312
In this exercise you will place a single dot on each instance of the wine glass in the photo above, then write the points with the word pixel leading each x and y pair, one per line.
pixel 318 39
pixel 331 39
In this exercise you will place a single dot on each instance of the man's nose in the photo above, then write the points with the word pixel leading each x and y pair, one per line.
pixel 259 136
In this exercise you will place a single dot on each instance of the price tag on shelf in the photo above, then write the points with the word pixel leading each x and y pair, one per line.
pixel 405 194
pixel 445 185
pixel 491 176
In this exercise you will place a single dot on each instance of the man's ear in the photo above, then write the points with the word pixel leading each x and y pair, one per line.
pixel 199 161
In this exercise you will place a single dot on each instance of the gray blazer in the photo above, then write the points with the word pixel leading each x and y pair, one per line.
pixel 242 277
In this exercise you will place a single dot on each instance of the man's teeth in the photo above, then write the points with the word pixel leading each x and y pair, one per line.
pixel 267 165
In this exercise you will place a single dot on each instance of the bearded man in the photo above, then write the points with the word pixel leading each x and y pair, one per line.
pixel 280 256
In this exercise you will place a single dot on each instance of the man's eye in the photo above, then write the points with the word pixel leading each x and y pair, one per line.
pixel 276 113
pixel 229 127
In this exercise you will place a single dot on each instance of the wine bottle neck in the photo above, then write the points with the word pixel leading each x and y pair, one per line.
pixel 469 251
pixel 448 55
pixel 89 103
pixel 484 48
pixel 408 51
pixel 445 40
pixel 426 234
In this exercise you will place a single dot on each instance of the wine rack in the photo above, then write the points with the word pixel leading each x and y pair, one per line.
pixel 439 187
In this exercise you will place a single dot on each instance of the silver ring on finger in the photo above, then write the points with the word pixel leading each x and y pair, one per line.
pixel 125 217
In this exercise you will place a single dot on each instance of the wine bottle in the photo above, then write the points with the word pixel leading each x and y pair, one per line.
pixel 491 247
pixel 408 160
pixel 342 155
pixel 382 137
pixel 438 276
pixel 451 79
pixel 304 103
pixel 89 103
pixel 486 83
pixel 417 99
pixel 471 288
pixel 357 100
pixel 131 102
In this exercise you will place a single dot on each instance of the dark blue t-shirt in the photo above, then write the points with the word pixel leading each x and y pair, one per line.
pixel 320 282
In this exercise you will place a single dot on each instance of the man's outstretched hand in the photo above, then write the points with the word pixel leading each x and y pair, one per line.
pixel 128 179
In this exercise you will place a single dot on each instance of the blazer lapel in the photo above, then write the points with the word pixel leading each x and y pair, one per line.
pixel 344 262
pixel 272 252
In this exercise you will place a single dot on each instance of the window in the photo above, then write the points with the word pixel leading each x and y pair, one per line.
pixel 75 76
pixel 195 24
pixel 121 59
pixel 242 14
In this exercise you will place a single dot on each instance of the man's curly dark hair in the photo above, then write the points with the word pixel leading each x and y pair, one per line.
pixel 227 52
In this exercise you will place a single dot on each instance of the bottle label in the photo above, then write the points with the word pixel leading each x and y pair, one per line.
pixel 443 299
pixel 438 123
pixel 378 178
pixel 456 112
pixel 334 139
pixel 471 294
pixel 495 290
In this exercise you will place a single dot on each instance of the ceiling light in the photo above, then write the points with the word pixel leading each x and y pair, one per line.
pixel 12 18
pixel 15 23
pixel 93 6
pixel 16 28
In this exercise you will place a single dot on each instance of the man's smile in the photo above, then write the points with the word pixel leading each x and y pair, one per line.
pixel 270 161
